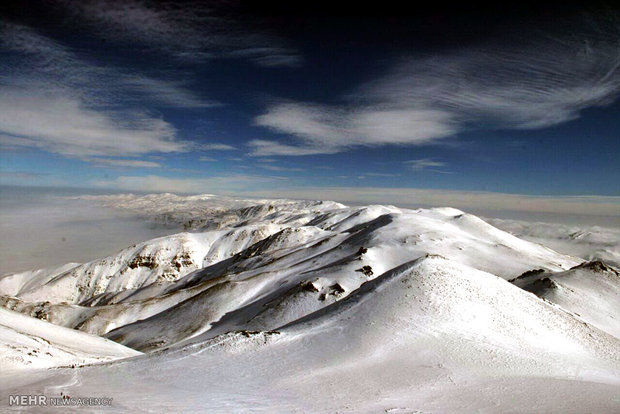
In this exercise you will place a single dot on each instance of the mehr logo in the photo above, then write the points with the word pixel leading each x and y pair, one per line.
pixel 63 400
pixel 27 400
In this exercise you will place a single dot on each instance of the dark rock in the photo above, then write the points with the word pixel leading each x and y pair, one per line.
pixel 143 261
pixel 336 289
pixel 528 273
pixel 309 287
pixel 366 270
pixel 595 266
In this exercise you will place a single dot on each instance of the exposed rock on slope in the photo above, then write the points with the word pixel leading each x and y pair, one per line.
pixel 304 306
pixel 590 291
pixel 248 275
pixel 431 334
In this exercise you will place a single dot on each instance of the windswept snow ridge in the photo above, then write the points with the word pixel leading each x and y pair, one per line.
pixel 27 342
pixel 281 305
pixel 591 291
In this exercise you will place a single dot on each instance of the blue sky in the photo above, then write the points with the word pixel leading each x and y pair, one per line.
pixel 225 98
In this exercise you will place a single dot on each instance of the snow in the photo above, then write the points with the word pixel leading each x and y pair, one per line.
pixel 588 242
pixel 417 337
pixel 27 342
pixel 590 291
pixel 311 306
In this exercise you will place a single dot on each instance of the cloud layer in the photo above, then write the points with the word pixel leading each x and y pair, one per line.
pixel 54 100
pixel 526 81
pixel 65 100
pixel 63 125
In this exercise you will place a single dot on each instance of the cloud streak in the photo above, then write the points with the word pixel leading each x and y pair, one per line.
pixel 517 82
pixel 38 61
pixel 63 125
pixel 192 32
pixel 123 163
pixel 425 164
pixel 279 168
pixel 58 102
pixel 217 146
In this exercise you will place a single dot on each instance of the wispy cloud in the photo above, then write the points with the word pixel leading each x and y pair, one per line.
pixel 261 148
pixel 54 100
pixel 123 163
pixel 216 146
pixel 195 31
pixel 270 56
pixel 331 129
pixel 207 159
pixel 517 82
pixel 165 93
pixel 63 125
pixel 371 174
pixel 425 164
pixel 40 62
pixel 279 168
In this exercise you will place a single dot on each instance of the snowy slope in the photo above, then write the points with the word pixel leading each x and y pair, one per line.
pixel 278 262
pixel 310 306
pixel 431 335
pixel 27 342
pixel 588 242
pixel 590 290
pixel 266 287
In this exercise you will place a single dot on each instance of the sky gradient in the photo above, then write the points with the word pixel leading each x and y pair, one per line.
pixel 223 97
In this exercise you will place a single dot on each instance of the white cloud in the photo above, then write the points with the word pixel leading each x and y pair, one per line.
pixel 207 159
pixel 45 64
pixel 518 82
pixel 324 129
pixel 424 164
pixel 164 93
pixel 60 103
pixel 112 162
pixel 216 146
pixel 63 125
pixel 261 148
pixel 371 174
pixel 270 56
pixel 278 168
pixel 194 32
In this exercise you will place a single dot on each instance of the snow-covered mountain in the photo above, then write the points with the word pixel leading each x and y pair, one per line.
pixel 591 291
pixel 28 343
pixel 281 305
